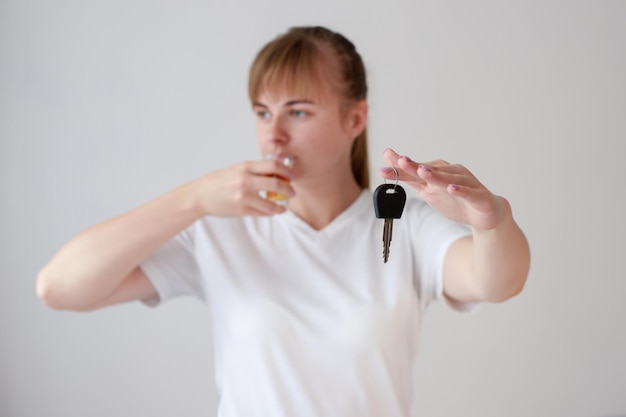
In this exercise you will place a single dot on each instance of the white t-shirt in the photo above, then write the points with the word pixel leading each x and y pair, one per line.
pixel 311 323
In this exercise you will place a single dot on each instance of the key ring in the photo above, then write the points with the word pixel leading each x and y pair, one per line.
pixel 396 184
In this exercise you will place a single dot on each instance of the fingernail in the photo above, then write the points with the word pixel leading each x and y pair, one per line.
pixel 425 168
pixel 386 170
pixel 406 158
pixel 454 187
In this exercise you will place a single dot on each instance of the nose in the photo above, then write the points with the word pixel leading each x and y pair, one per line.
pixel 277 132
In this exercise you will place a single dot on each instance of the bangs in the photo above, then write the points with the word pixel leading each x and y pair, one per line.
pixel 294 66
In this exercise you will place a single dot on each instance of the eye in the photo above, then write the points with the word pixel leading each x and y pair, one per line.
pixel 299 113
pixel 263 114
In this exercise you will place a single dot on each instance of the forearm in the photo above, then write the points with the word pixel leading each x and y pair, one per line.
pixel 95 262
pixel 500 258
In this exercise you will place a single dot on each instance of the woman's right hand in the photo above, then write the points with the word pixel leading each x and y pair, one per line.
pixel 235 191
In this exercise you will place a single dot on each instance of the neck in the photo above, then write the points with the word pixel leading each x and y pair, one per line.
pixel 320 203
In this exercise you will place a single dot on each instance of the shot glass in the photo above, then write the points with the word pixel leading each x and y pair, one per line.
pixel 286 160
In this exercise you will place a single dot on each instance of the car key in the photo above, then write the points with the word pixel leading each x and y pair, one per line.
pixel 389 200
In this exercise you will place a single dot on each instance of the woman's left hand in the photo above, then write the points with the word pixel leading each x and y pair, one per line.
pixel 451 189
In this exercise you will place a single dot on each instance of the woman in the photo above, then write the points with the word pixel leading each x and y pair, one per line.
pixel 307 319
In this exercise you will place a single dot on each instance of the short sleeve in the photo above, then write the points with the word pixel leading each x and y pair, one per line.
pixel 432 235
pixel 173 269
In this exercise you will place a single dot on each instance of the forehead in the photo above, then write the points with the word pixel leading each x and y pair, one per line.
pixel 296 69
pixel 311 86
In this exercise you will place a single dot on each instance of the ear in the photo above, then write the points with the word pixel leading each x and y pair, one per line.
pixel 357 118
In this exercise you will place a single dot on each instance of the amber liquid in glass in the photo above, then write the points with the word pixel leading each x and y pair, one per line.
pixel 277 197
pixel 273 195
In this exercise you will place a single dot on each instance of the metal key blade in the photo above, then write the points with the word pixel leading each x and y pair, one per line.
pixel 387 232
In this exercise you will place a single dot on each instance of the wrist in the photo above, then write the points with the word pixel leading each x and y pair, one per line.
pixel 192 196
pixel 503 217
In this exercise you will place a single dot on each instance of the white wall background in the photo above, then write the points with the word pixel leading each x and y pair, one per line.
pixel 104 105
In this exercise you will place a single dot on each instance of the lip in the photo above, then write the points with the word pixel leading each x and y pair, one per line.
pixel 282 156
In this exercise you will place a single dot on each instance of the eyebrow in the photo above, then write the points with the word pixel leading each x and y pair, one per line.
pixel 289 103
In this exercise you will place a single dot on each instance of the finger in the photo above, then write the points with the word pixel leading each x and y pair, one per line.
pixel 438 162
pixel 407 167
pixel 251 202
pixel 480 199
pixel 390 157
pixel 458 190
pixel 245 188
pixel 260 206
pixel 399 174
pixel 444 166
pixel 444 176
pixel 266 175
pixel 269 167
pixel 261 183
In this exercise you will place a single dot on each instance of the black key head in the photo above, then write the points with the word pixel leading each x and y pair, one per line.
pixel 389 200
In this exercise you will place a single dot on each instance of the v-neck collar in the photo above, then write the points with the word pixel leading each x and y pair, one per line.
pixel 360 204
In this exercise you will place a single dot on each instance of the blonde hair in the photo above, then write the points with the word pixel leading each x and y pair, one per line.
pixel 317 56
